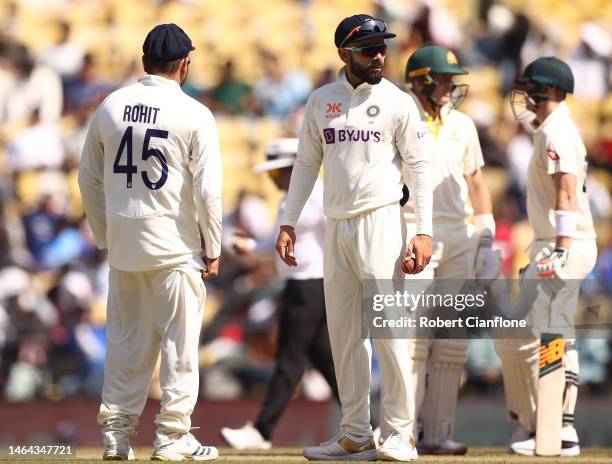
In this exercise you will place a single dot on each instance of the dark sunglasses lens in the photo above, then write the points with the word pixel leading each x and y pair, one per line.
pixel 373 51
pixel 374 25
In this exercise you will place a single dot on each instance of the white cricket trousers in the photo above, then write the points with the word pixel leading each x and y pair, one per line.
pixel 557 314
pixel 148 312
pixel 369 246
pixel 438 363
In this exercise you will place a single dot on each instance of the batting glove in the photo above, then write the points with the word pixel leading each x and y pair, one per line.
pixel 551 266
pixel 488 261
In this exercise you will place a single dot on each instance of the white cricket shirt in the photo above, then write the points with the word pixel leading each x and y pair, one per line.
pixel 370 140
pixel 151 176
pixel 558 147
pixel 454 153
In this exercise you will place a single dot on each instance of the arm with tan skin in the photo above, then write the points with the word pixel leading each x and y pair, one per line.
pixel 551 266
pixel 479 193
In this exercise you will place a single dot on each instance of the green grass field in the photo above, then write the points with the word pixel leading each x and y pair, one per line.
pixel 279 455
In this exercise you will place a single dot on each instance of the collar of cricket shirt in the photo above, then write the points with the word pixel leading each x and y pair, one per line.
pixel 155 80
pixel 364 86
pixel 433 126
pixel 560 111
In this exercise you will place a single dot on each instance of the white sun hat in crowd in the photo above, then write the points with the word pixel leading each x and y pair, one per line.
pixel 280 153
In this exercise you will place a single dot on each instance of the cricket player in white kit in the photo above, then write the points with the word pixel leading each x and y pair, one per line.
pixel 302 325
pixel 460 250
pixel 368 136
pixel 563 250
pixel 151 177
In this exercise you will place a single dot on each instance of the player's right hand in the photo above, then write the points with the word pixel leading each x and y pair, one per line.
pixel 421 248
pixel 284 245
pixel 212 268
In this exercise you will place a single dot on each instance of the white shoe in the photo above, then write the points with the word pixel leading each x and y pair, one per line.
pixel 184 447
pixel 343 447
pixel 119 452
pixel 524 448
pixel 398 448
pixel 569 444
pixel 246 437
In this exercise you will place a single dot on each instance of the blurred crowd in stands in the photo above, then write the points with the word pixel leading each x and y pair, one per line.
pixel 255 69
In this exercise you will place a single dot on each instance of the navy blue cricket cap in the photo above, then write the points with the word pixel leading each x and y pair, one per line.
pixel 360 27
pixel 167 42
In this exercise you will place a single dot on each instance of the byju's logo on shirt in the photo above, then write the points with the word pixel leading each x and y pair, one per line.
pixel 332 135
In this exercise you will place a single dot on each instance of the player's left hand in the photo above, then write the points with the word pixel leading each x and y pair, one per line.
pixel 550 266
pixel 487 264
pixel 212 268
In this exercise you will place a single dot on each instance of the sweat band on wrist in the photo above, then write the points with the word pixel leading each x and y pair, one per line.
pixel 565 223
pixel 484 222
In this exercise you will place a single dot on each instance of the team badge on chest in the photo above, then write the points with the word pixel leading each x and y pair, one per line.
pixel 372 111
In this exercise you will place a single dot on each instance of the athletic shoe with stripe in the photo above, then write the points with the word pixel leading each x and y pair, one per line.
pixel 343 447
pixel 184 448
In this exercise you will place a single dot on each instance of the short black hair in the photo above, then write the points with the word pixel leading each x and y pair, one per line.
pixel 152 66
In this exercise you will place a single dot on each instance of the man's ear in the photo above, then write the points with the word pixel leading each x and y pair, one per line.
pixel 344 55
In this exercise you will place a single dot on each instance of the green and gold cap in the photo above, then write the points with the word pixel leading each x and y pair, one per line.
pixel 432 59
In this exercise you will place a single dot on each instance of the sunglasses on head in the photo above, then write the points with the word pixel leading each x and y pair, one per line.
pixel 369 25
pixel 369 50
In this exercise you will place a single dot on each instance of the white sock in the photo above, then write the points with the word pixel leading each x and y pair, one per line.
pixel 570 395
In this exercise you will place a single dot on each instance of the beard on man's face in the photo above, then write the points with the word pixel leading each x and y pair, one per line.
pixel 372 73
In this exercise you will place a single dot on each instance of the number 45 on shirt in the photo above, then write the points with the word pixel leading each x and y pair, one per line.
pixel 129 169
